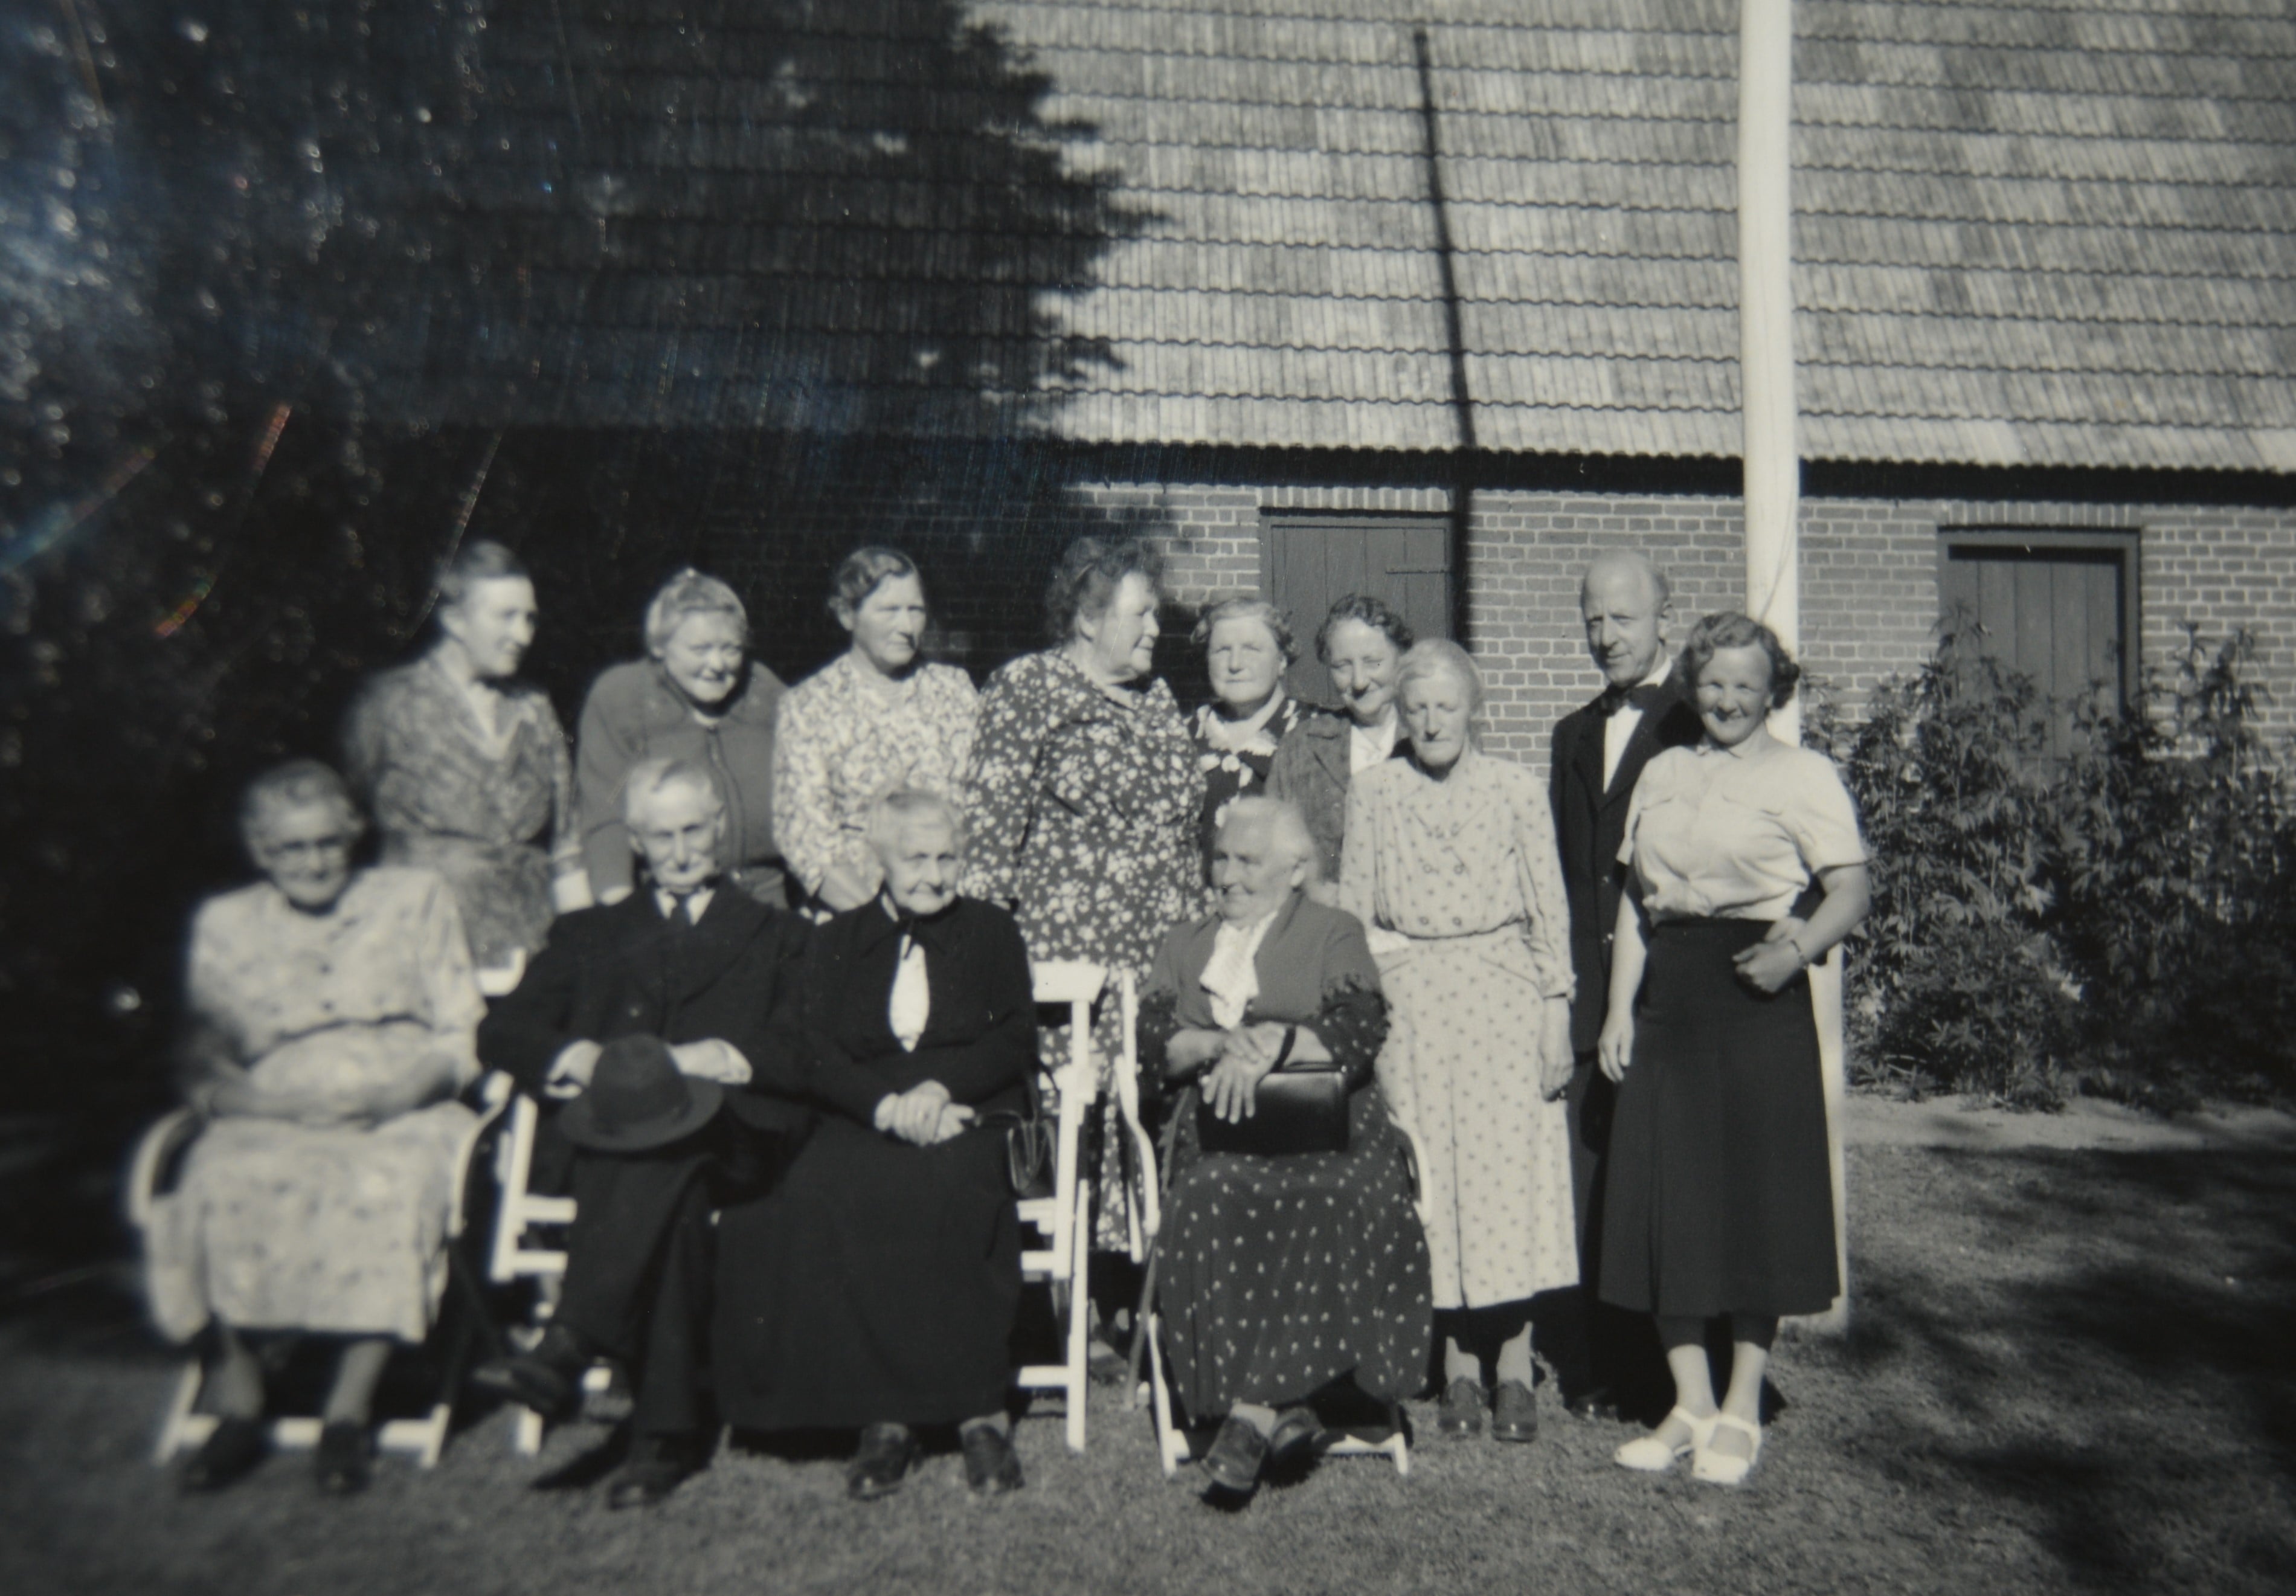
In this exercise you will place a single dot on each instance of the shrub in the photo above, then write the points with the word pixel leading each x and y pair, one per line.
pixel 1954 980
pixel 2176 846
pixel 2123 919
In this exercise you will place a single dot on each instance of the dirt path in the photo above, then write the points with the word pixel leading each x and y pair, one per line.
pixel 2084 1122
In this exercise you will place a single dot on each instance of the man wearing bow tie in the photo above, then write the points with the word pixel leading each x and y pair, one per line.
pixel 663 1029
pixel 1598 754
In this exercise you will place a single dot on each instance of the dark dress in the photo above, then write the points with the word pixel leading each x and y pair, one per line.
pixel 1231 774
pixel 1278 1275
pixel 878 1282
pixel 1718 1190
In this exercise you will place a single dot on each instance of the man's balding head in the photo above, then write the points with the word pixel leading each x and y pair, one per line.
pixel 1623 599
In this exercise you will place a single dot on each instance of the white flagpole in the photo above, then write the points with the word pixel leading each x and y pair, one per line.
pixel 1773 459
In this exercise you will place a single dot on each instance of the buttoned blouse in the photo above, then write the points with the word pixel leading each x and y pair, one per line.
pixel 382 979
pixel 844 744
pixel 1727 834
pixel 1466 857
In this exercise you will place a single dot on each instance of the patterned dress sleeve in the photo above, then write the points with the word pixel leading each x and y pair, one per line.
pixel 1352 1022
pixel 804 823
pixel 959 720
pixel 1000 795
pixel 442 956
pixel 1358 860
pixel 605 752
pixel 366 742
pixel 565 822
pixel 1539 868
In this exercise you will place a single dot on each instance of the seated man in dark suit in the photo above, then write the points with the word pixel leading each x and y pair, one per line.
pixel 642 1018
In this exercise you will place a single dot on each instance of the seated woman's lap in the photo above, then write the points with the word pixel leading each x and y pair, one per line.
pixel 283 1226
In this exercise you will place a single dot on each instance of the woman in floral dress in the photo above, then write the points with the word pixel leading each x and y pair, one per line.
pixel 1450 861
pixel 1084 789
pixel 1246 647
pixel 332 1020
pixel 466 769
pixel 875 720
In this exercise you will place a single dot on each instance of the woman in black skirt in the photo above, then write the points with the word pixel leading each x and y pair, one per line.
pixel 874 1289
pixel 1719 1199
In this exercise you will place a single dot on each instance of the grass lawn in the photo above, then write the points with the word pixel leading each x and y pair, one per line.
pixel 2069 1373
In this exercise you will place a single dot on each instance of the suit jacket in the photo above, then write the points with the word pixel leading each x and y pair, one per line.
pixel 1311 769
pixel 980 1038
pixel 622 970
pixel 1590 824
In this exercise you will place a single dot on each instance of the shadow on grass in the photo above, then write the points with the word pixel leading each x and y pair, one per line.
pixel 2099 1343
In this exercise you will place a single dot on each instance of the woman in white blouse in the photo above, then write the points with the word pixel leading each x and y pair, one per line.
pixel 1719 1199
pixel 876 718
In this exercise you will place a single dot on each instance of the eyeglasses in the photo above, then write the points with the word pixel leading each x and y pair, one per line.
pixel 307 848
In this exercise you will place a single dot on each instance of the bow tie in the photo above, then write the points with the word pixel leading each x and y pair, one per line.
pixel 1644 697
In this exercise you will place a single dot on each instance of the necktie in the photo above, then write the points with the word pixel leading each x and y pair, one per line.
pixel 1643 696
pixel 681 914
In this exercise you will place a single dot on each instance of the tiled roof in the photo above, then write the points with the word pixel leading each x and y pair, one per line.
pixel 2048 233
pixel 2025 234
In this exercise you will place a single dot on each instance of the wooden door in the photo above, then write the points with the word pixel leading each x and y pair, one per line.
pixel 2056 608
pixel 1311 562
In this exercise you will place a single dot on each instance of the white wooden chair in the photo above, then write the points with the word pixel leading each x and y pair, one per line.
pixel 518 1254
pixel 1063 1220
pixel 151 1172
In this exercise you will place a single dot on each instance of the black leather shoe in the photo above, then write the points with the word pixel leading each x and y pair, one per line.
pixel 545 1379
pixel 991 1468
pixel 657 1466
pixel 1238 1453
pixel 1461 1413
pixel 1595 1403
pixel 881 1462
pixel 1515 1413
pixel 232 1449
pixel 345 1461
pixel 1296 1430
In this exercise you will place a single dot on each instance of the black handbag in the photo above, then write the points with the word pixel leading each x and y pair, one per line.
pixel 1299 1107
pixel 1027 1145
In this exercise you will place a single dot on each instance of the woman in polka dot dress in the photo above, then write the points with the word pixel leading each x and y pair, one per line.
pixel 1281 1274
pixel 1450 861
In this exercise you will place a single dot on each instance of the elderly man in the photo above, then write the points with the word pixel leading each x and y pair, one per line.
pixel 873 1290
pixel 1598 755
pixel 641 1019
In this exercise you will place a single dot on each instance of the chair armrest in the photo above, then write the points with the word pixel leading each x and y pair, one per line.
pixel 153 1162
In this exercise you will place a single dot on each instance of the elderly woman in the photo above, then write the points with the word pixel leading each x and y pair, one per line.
pixel 875 1288
pixel 1282 1274
pixel 1362 643
pixel 1085 789
pixel 465 767
pixel 1450 860
pixel 1246 647
pixel 1719 1197
pixel 697 696
pixel 876 718
pixel 332 1016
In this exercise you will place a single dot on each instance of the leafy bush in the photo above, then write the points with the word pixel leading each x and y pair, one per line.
pixel 2123 919
pixel 1956 981
pixel 2176 845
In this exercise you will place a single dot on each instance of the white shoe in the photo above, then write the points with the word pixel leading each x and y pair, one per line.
pixel 1719 1467
pixel 1648 1454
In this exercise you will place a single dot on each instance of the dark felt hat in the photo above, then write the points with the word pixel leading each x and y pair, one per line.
pixel 636 1099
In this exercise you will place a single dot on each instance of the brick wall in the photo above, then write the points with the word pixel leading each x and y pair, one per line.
pixel 1869 577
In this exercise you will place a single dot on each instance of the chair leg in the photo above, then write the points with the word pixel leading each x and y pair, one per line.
pixel 526 1432
pixel 177 1419
pixel 1171 1446
pixel 1079 1314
